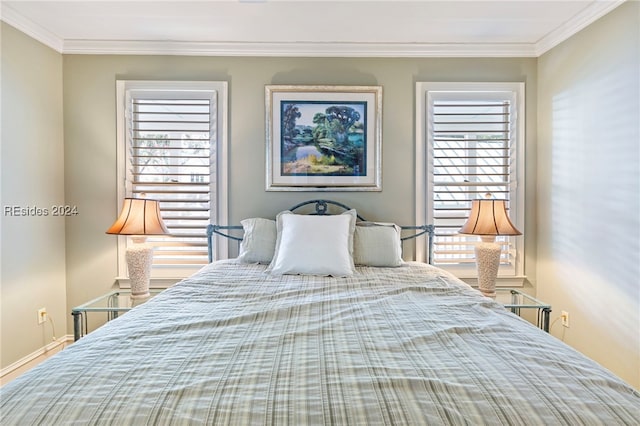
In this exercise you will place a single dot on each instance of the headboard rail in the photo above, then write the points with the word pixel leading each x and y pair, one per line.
pixel 320 207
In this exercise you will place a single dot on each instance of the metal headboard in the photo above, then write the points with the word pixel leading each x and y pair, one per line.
pixel 321 207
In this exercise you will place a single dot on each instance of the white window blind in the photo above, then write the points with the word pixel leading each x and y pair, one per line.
pixel 471 138
pixel 171 147
pixel 172 138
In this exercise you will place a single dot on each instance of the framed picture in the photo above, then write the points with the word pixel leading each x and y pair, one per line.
pixel 323 138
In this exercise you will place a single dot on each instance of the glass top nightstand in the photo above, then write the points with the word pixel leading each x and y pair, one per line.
pixel 113 303
pixel 515 300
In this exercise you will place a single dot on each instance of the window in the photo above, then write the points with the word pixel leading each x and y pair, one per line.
pixel 172 147
pixel 470 144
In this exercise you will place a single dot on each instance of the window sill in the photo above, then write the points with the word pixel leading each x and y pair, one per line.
pixel 510 282
pixel 123 282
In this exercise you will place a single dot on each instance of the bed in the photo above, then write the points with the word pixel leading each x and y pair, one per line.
pixel 240 344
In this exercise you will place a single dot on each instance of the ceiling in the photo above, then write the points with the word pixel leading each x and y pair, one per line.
pixel 360 28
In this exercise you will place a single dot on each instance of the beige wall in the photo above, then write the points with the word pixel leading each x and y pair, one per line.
pixel 33 248
pixel 90 154
pixel 589 189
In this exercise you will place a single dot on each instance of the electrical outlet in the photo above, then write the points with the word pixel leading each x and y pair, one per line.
pixel 565 318
pixel 42 315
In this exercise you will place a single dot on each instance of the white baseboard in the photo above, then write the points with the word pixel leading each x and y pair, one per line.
pixel 26 363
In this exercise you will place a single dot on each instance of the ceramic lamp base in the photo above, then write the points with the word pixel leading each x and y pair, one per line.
pixel 488 262
pixel 139 258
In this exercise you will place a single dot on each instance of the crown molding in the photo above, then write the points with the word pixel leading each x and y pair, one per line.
pixel 586 17
pixel 596 10
pixel 30 28
pixel 294 49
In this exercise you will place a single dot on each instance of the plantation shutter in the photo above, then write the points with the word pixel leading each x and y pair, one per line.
pixel 472 145
pixel 171 144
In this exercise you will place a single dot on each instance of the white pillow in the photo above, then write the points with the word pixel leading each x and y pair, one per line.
pixel 314 245
pixel 259 241
pixel 377 244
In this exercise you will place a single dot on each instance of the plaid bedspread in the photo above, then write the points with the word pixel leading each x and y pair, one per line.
pixel 397 346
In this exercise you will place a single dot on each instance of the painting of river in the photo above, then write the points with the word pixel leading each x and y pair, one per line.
pixel 323 138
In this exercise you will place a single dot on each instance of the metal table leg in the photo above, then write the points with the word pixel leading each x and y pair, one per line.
pixel 543 318
pixel 546 312
pixel 77 321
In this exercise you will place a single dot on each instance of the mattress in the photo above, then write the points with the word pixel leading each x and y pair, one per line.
pixel 235 345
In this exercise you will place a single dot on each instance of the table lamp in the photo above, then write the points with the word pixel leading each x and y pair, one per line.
pixel 139 217
pixel 488 218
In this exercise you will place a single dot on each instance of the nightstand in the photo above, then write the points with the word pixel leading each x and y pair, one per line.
pixel 113 303
pixel 515 300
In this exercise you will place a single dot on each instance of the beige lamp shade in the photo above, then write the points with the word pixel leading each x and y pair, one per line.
pixel 489 217
pixel 139 216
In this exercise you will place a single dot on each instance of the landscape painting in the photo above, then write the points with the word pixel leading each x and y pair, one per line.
pixel 323 137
